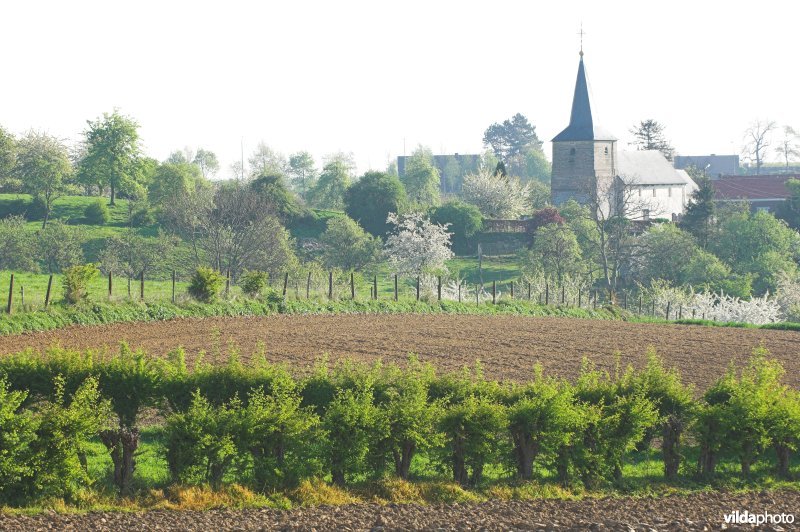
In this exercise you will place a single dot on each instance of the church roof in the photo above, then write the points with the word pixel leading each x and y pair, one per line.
pixel 648 167
pixel 581 122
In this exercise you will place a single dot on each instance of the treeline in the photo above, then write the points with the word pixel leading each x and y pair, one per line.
pixel 259 425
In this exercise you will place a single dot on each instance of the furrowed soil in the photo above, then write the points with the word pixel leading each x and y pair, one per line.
pixel 702 511
pixel 507 346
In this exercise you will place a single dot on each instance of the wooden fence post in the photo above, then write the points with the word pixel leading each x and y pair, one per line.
pixel 529 291
pixel 563 294
pixel 546 293
pixel 22 296
pixel 9 307
pixel 129 286
pixel 141 286
pixel 640 304
pixel 512 289
pixel 227 282
pixel 494 292
pixel 580 298
pixel 285 284
pixel 47 294
pixel 625 300
pixel 173 287
pixel 352 287
pixel 330 285
pixel 438 287
pixel 694 313
pixel 459 289
pixel 375 286
pixel 395 287
pixel 668 305
pixel 308 285
pixel 110 285
pixel 477 294
pixel 594 300
pixel 417 287
pixel 680 311
pixel 653 309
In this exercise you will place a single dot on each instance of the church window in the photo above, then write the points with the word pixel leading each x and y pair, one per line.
pixel 572 151
pixel 605 150
pixel 640 192
pixel 654 192
pixel 669 192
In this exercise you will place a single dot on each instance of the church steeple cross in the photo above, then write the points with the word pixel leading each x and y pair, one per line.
pixel 581 33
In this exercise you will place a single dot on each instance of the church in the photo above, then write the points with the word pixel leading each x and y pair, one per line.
pixel 587 167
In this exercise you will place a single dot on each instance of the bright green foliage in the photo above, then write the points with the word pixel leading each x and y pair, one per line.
pixel 202 442
pixel 76 282
pixel 97 213
pixel 18 245
pixel 328 191
pixel 253 282
pixel 61 439
pixel 43 167
pixel 113 157
pixel 348 246
pixel 465 221
pixel 59 246
pixel 206 284
pixel 281 436
pixel 353 423
pixel 790 209
pixel 542 418
pixel 17 432
pixel 475 430
pixel 172 180
pixel 556 252
pixel 272 190
pixel 421 178
pixel 8 158
pixel 302 172
pixel 370 200
pixel 131 381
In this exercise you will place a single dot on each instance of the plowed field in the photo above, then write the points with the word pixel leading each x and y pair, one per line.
pixel 507 346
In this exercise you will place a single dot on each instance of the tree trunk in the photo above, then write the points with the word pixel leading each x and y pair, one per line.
pixel 113 195
pixel 562 465
pixel 783 454
pixel 707 462
pixel 477 475
pixel 402 459
pixel 459 466
pixel 671 434
pixel 525 450
pixel 122 445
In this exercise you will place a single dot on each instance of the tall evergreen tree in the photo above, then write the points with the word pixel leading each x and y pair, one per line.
pixel 700 212
pixel 649 135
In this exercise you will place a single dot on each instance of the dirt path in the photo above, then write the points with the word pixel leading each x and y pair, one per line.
pixel 508 346
pixel 703 511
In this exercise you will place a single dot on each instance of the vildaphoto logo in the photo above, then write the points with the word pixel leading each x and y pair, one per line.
pixel 764 518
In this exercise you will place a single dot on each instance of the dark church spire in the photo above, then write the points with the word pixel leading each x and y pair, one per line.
pixel 581 123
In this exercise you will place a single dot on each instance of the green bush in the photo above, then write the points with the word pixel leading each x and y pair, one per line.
pixel 142 216
pixel 206 284
pixel 17 432
pixel 253 283
pixel 76 282
pixel 97 213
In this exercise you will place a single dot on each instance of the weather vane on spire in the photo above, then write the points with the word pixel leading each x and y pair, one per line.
pixel 581 33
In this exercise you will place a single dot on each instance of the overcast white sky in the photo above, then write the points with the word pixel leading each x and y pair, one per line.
pixel 368 76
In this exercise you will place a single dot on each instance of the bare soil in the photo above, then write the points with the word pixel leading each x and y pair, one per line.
pixel 702 511
pixel 507 346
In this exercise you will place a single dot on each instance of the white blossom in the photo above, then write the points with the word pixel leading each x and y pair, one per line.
pixel 495 196
pixel 416 246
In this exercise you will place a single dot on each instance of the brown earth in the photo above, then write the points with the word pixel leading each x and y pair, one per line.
pixel 507 346
pixel 702 511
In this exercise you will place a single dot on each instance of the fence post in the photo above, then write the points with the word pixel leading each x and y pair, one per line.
pixel 110 285
pixel 129 286
pixel 694 313
pixel 653 310
pixel 352 287
pixel 22 296
pixel 529 290
pixel 580 298
pixel 227 282
pixel 141 286
pixel 625 300
pixel 546 293
pixel 668 305
pixel 308 285
pixel 395 287
pixel 563 294
pixel 438 287
pixel 459 289
pixel 680 311
pixel 494 292
pixel 417 287
pixel 594 300
pixel 512 289
pixel 330 285
pixel 375 286
pixel 285 284
pixel 9 307
pixel 640 304
pixel 47 294
pixel 477 294
pixel 173 287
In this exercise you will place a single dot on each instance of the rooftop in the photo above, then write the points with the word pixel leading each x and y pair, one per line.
pixel 581 122
pixel 752 187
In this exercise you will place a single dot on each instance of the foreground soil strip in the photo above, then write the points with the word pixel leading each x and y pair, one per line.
pixel 508 346
pixel 703 511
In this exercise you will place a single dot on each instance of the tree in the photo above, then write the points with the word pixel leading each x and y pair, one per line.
pixel 273 191
pixel 789 211
pixel 207 161
pixel 174 179
pixel 112 155
pixel 789 146
pixel 649 135
pixel 8 156
pixel 555 248
pixel 757 142
pixel 664 252
pixel 539 194
pixel 369 201
pixel 59 246
pixel 421 178
pixel 347 245
pixel 132 255
pixel 18 245
pixel 700 211
pixel 302 172
pixel 496 196
pixel 265 160
pixel 328 192
pixel 43 166
pixel 511 137
pixel 463 219
pixel 416 245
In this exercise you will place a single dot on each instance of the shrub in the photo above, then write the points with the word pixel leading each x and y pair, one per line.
pixel 253 282
pixel 202 443
pixel 17 432
pixel 76 282
pixel 97 213
pixel 474 430
pixel 206 284
pixel 464 221
pixel 142 216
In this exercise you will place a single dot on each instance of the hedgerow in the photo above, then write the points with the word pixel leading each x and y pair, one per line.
pixel 261 426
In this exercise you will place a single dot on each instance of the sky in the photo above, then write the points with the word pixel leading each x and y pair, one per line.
pixel 378 78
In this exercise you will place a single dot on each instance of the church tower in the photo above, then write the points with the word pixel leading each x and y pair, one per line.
pixel 584 155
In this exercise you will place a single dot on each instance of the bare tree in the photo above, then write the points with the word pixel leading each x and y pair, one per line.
pixel 789 146
pixel 757 142
pixel 613 207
